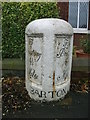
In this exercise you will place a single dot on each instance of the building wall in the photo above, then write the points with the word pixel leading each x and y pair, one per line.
pixel 78 38
pixel 89 17
pixel 63 10
pixel 64 13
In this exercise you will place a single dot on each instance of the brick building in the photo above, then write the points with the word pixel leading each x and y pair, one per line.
pixel 77 13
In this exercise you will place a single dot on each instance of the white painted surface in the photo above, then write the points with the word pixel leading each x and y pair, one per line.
pixel 48 58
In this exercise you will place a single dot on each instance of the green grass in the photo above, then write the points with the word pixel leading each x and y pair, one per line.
pixel 18 64
pixel 14 64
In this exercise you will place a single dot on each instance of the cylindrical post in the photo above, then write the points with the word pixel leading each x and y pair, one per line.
pixel 49 45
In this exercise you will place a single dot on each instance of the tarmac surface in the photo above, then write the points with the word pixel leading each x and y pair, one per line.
pixel 0 99
pixel 74 105
pixel 16 103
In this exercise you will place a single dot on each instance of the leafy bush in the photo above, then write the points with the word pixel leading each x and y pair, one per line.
pixel 15 17
pixel 86 45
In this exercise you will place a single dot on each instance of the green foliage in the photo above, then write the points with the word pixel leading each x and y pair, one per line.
pixel 86 45
pixel 15 17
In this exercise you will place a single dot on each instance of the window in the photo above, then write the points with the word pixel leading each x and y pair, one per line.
pixel 78 14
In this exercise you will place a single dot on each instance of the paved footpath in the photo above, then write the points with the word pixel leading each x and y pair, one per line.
pixel 75 105
pixel 0 99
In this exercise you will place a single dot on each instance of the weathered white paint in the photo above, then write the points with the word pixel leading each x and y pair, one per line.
pixel 48 58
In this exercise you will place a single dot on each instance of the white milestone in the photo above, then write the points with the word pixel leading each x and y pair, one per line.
pixel 49 44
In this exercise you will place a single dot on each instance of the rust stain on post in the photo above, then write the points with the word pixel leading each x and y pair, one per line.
pixel 54 82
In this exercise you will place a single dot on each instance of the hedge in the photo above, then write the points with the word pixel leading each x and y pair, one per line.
pixel 15 17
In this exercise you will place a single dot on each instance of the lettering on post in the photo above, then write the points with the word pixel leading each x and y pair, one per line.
pixel 62 46
pixel 63 51
pixel 44 94
pixel 35 57
pixel 33 74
